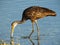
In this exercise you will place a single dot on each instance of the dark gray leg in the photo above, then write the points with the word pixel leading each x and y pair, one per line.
pixel 32 30
pixel 38 32
pixel 31 41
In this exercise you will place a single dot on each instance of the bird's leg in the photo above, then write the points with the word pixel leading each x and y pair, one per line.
pixel 38 32
pixel 31 41
pixel 32 30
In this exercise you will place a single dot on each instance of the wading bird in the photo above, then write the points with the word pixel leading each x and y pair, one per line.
pixel 33 13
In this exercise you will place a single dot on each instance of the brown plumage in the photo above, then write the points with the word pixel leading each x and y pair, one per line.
pixel 33 13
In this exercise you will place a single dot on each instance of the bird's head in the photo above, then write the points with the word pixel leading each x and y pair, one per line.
pixel 14 24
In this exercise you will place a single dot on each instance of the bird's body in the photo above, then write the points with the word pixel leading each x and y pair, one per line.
pixel 33 13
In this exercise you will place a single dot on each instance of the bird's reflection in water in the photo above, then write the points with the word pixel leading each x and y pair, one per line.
pixel 38 43
pixel 23 37
pixel 12 41
pixel 27 37
pixel 31 40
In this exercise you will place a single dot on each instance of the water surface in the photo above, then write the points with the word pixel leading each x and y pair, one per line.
pixel 11 10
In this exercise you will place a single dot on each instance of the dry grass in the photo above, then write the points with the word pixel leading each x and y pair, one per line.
pixel 8 44
pixel 4 43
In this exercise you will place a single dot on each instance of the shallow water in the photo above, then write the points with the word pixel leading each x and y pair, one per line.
pixel 11 10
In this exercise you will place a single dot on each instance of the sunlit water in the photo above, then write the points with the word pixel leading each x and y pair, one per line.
pixel 11 10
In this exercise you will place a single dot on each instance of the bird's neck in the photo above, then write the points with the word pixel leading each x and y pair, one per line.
pixel 20 22
pixel 17 22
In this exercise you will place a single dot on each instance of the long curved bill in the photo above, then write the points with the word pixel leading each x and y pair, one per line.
pixel 14 24
pixel 12 30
